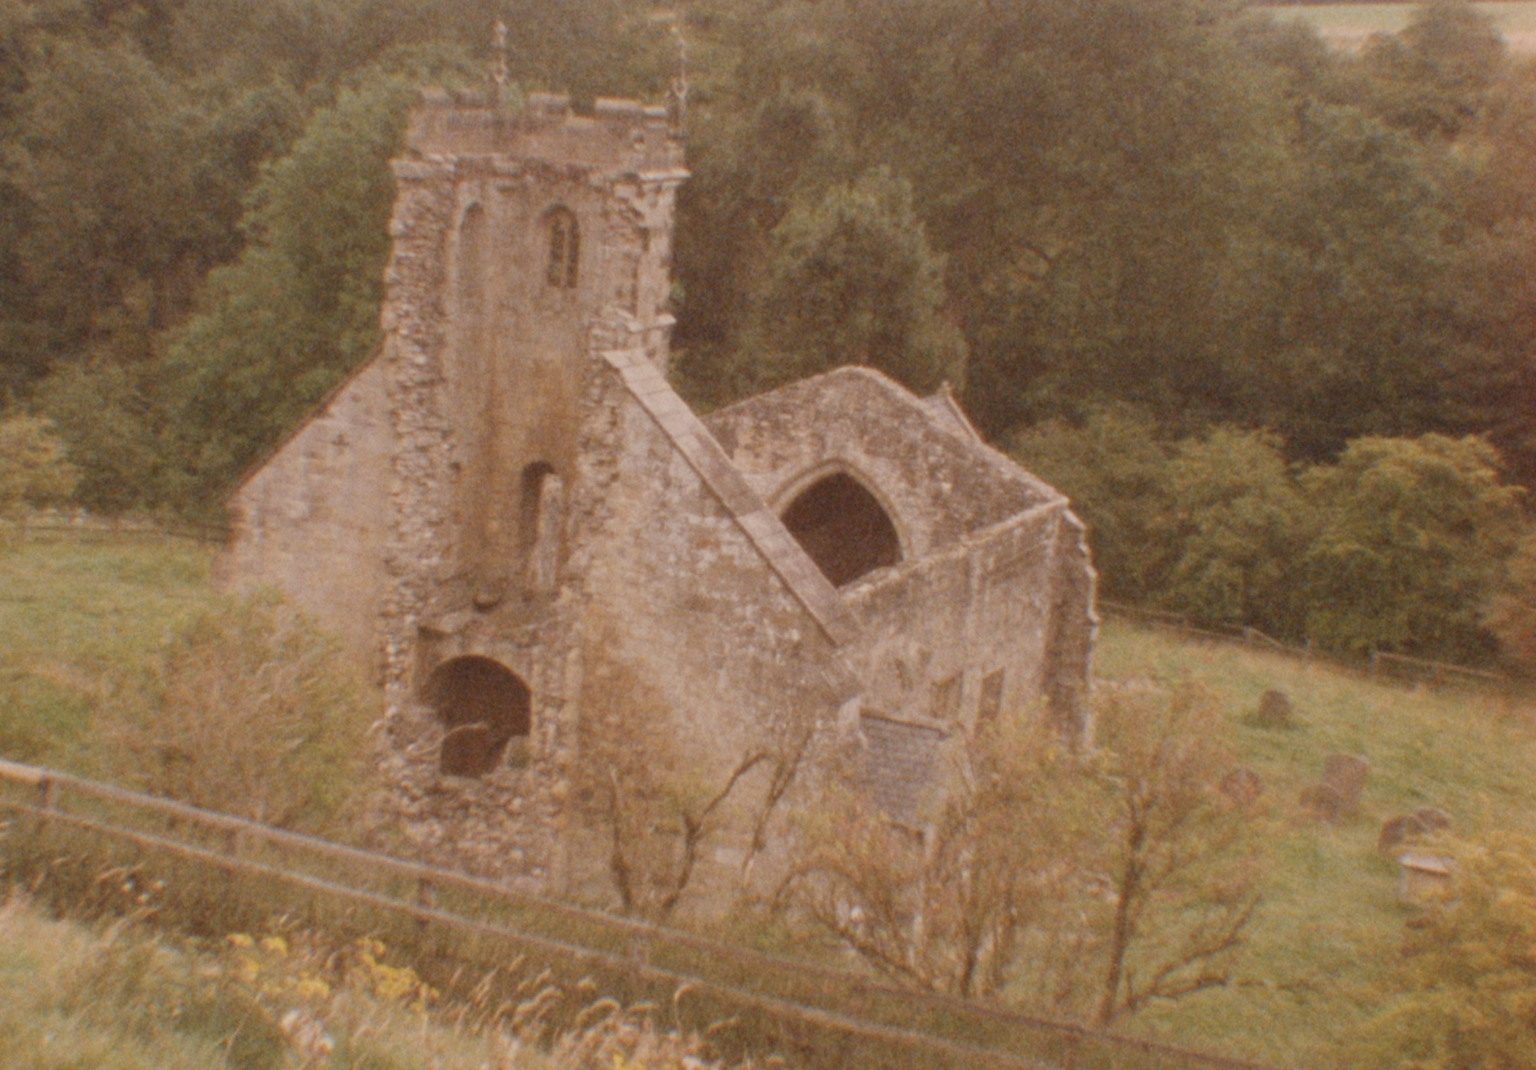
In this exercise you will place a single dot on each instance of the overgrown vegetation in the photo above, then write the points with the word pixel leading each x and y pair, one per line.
pixel 248 709
pixel 124 997
pixel 1092 884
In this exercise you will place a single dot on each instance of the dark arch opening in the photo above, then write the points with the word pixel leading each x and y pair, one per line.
pixel 843 529
pixel 483 705
pixel 564 248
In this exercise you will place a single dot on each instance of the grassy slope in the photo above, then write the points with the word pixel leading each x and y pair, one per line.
pixel 1332 916
pixel 71 615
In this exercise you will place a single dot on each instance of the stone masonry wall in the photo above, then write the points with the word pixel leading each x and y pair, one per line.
pixel 308 519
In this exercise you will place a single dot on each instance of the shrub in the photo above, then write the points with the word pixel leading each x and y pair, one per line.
pixel 248 710
pixel 1114 467
pixel 1240 527
pixel 1465 985
pixel 33 469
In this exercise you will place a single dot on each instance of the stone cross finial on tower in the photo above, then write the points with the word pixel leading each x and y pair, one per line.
pixel 499 70
pixel 677 95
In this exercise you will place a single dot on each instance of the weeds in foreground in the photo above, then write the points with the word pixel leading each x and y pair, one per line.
pixel 123 997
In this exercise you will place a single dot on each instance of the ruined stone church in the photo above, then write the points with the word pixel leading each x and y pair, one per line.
pixel 510 498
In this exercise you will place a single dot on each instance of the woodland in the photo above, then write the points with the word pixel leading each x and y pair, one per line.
pixel 1263 309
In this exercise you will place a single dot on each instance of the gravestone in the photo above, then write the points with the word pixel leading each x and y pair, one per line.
pixel 1396 831
pixel 1242 785
pixel 1433 819
pixel 1274 710
pixel 1346 774
pixel 1323 801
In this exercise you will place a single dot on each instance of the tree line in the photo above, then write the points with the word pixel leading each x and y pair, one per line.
pixel 1178 222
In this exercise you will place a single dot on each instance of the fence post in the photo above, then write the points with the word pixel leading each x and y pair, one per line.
pixel 44 803
pixel 426 898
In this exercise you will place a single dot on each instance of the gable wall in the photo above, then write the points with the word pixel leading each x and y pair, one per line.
pixel 672 587
pixel 312 519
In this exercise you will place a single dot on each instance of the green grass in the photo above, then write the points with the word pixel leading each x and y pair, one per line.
pixel 1332 917
pixel 74 614
pixel 1349 25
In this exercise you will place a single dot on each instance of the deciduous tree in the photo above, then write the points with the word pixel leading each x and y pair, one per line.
pixel 1413 541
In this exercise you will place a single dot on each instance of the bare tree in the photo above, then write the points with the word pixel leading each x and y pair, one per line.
pixel 1180 856
pixel 661 797
pixel 950 908
pixel 1091 883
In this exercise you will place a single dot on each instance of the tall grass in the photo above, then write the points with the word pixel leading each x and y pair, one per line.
pixel 122 997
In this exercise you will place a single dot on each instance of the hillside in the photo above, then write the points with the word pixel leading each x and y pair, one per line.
pixel 74 616
pixel 1332 916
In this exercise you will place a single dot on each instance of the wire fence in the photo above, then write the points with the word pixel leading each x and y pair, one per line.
pixel 103 848
pixel 58 527
pixel 1380 663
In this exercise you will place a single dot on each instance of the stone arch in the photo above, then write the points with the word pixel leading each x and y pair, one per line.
pixel 843 527
pixel 482 705
pixel 564 247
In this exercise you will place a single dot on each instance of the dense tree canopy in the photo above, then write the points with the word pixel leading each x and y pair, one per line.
pixel 1174 249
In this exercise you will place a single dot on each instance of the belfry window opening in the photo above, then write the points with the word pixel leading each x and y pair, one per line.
pixel 564 249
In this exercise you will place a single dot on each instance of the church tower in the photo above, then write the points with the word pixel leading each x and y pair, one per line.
pixel 521 233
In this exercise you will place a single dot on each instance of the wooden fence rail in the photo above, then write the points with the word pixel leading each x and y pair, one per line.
pixel 821 1017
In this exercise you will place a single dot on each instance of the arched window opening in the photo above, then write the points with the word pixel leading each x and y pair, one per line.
pixel 472 264
pixel 564 249
pixel 843 529
pixel 483 705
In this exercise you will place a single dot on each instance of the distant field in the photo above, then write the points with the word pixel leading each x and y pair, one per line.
pixel 1348 26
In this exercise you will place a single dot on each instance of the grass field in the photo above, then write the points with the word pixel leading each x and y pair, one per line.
pixel 1349 26
pixel 73 617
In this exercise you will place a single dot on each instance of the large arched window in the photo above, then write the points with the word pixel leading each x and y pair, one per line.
pixel 843 529
pixel 483 705
pixel 564 248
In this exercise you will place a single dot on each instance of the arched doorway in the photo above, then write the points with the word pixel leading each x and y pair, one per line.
pixel 483 705
pixel 843 529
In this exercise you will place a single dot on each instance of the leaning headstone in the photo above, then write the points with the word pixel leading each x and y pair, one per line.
pixel 1397 831
pixel 1433 819
pixel 1274 710
pixel 1346 774
pixel 1242 785
pixel 1324 802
